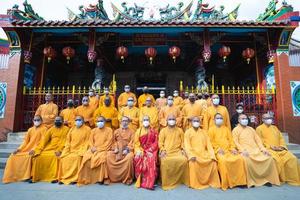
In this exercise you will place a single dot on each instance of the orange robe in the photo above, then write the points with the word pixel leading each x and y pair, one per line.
pixel 160 102
pixel 170 110
pixel 191 110
pixel 122 100
pixel 69 116
pixel 94 102
pixel 87 112
pixel 18 166
pixel 48 112
pixel 142 99
pixel 109 112
pixel 210 113
pixel 132 113
pixel 178 101
pixel 102 99
pixel 152 113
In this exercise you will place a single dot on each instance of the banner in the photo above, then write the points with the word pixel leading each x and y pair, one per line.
pixel 295 91
pixel 3 87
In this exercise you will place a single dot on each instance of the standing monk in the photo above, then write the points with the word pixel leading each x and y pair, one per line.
pixel 132 113
pixel 178 101
pixel 104 96
pixel 203 169
pixel 109 112
pixel 48 111
pixel 170 109
pixel 86 110
pixel 150 111
pixel 144 96
pixel 93 167
pixel 173 162
pixel 211 111
pixel 18 165
pixel 260 166
pixel 68 114
pixel 122 100
pixel 145 160
pixel 161 101
pixel 93 99
pixel 76 145
pixel 287 164
pixel 46 154
pixel 120 159
pixel 230 163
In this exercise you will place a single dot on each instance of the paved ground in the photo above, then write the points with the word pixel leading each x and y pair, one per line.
pixel 47 191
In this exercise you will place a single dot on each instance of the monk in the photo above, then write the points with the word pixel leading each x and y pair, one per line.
pixel 230 163
pixel 190 111
pixel 170 109
pixel 76 145
pixel 93 167
pixel 106 95
pixel 260 166
pixel 161 101
pixel 211 111
pixel 120 159
pixel 18 165
pixel 150 111
pixel 201 101
pixel 132 113
pixel 144 96
pixel 93 99
pixel 287 164
pixel 48 111
pixel 178 101
pixel 145 160
pixel 68 114
pixel 86 110
pixel 186 98
pixel 203 169
pixel 46 154
pixel 173 162
pixel 109 112
pixel 122 100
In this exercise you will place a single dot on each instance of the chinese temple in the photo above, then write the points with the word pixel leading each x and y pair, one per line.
pixel 191 46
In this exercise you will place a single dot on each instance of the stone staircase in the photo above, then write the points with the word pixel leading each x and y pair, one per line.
pixel 15 139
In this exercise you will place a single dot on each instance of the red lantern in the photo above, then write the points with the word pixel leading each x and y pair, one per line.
pixel 270 55
pixel 248 54
pixel 92 55
pixel 50 53
pixel 174 52
pixel 69 53
pixel 27 56
pixel 150 53
pixel 224 52
pixel 206 54
pixel 122 53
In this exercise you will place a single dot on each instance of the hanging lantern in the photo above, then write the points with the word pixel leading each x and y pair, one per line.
pixel 206 54
pixel 174 52
pixel 270 55
pixel 69 53
pixel 92 55
pixel 122 53
pixel 27 56
pixel 50 53
pixel 248 54
pixel 150 53
pixel 224 52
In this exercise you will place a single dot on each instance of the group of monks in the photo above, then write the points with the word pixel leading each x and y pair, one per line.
pixel 177 141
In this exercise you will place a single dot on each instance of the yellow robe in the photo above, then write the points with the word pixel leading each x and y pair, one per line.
pixel 203 172
pixel 70 160
pixel 102 99
pixel 45 162
pixel 94 102
pixel 170 110
pixel 191 110
pixel 152 112
pixel 109 112
pixel 203 103
pixel 122 100
pixel 18 166
pixel 231 167
pixel 287 164
pixel 142 99
pixel 173 167
pixel 133 114
pixel 69 116
pixel 93 167
pixel 185 101
pixel 48 112
pixel 87 112
pixel 160 102
pixel 209 116
pixel 260 168
pixel 178 101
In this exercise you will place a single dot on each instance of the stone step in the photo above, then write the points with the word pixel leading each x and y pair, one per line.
pixel 286 137
pixel 296 153
pixel 2 163
pixel 16 137
pixel 9 145
pixel 292 146
pixel 4 153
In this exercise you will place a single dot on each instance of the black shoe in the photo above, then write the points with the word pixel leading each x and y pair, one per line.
pixel 60 183
pixel 73 183
pixel 54 181
pixel 30 181
pixel 268 185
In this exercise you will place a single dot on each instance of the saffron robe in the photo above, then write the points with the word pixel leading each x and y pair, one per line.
pixel 142 99
pixel 170 110
pixel 94 102
pixel 122 100
pixel 160 102
pixel 132 114
pixel 69 116
pixel 152 113
pixel 178 101
pixel 109 112
pixel 102 99
pixel 87 112
pixel 48 112
pixel 191 110
pixel 210 113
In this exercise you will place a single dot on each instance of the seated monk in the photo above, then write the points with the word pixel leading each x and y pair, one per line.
pixel 203 171
pixel 170 109
pixel 93 167
pixel 145 160
pixel 260 166
pixel 76 145
pixel 48 111
pixel 86 110
pixel 173 162
pixel 230 163
pixel 132 113
pixel 120 159
pixel 287 164
pixel 18 165
pixel 46 154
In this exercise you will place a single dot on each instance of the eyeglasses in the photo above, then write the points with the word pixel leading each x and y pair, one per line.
pixel 78 120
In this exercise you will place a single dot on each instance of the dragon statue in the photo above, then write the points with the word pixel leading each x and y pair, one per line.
pixel 96 11
pixel 271 13
pixel 27 14
pixel 129 13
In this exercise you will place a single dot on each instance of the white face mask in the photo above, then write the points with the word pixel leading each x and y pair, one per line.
pixel 130 103
pixel 171 122
pixel 146 123
pixel 170 102
pixel 37 123
pixel 162 95
pixel 239 111
pixel 91 94
pixel 127 90
pixel 268 121
pixel 78 123
pixel 196 124
pixel 100 124
pixel 106 92
pixel 216 101
pixel 175 94
pixel 244 122
pixel 219 122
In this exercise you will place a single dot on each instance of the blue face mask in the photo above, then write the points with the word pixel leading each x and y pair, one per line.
pixel 78 123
